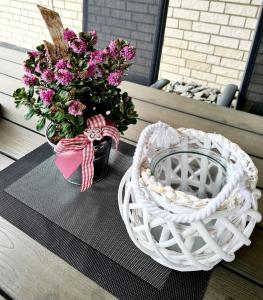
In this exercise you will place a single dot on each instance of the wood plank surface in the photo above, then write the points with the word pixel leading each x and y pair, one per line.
pixel 28 271
pixel 5 161
pixel 207 111
pixel 244 262
pixel 260 208
pixel 8 84
pixel 10 112
pixel 11 69
pixel 249 258
pixel 250 142
pixel 12 55
pixel 242 128
pixel 225 285
pixel 16 141
pixel 219 114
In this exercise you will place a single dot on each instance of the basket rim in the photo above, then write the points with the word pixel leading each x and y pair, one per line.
pixel 235 176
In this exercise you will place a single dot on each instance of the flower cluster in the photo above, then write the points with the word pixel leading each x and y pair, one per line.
pixel 78 85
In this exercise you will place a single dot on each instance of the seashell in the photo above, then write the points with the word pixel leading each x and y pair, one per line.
pixel 168 189
pixel 148 172
pixel 155 188
pixel 152 180
pixel 169 195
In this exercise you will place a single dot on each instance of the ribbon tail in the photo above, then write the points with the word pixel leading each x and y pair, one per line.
pixel 87 167
pixel 68 162
pixel 113 133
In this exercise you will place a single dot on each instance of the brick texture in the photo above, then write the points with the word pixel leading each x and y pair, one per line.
pixel 21 23
pixel 134 21
pixel 206 41
pixel 216 40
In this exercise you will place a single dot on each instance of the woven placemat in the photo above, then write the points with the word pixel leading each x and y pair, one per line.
pixel 110 273
pixel 92 216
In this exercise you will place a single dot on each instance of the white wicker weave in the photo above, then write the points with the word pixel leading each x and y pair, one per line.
pixel 191 214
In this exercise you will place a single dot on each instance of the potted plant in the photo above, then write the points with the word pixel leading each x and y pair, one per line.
pixel 70 91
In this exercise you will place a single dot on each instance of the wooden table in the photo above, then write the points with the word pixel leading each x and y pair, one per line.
pixel 29 271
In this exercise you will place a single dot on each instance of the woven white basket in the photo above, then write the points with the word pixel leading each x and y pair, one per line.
pixel 199 204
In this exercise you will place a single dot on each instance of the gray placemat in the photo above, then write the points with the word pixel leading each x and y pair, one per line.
pixel 92 216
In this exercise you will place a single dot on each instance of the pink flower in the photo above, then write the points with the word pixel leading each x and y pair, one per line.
pixel 38 68
pixel 112 45
pixel 33 54
pixel 48 76
pixel 91 70
pixel 46 96
pixel 29 79
pixel 75 108
pixel 94 37
pixel 69 35
pixel 97 56
pixel 128 52
pixel 61 64
pixel 78 46
pixel 113 49
pixel 64 77
pixel 106 51
pixel 69 66
pixel 115 78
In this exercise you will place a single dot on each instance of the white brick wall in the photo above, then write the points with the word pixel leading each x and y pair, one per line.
pixel 214 40
pixel 21 23
pixel 205 40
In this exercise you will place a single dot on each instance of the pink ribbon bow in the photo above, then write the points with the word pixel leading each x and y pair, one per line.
pixel 71 153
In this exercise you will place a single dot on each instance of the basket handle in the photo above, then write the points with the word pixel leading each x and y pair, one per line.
pixel 144 198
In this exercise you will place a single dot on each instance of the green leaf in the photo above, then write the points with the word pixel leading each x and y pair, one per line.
pixel 69 135
pixel 63 94
pixel 122 128
pixel 79 120
pixel 124 95
pixel 30 92
pixel 51 130
pixel 84 35
pixel 133 121
pixel 30 63
pixel 65 128
pixel 19 102
pixel 68 87
pixel 84 90
pixel 122 108
pixel 29 114
pixel 41 47
pixel 20 93
pixel 41 123
pixel 59 116
pixel 44 110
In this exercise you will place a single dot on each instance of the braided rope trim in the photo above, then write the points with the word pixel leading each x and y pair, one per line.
pixel 245 167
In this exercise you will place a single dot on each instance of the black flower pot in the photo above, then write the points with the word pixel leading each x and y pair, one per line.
pixel 101 158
